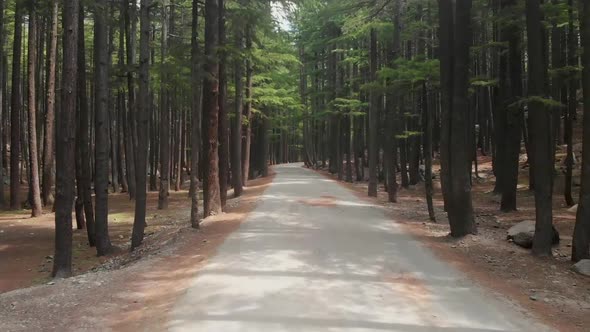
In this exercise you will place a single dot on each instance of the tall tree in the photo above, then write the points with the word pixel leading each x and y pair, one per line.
pixel 142 126
pixel 540 119
pixel 196 116
pixel 373 117
pixel 211 190
pixel 236 144
pixel 49 143
pixel 101 109
pixel 34 187
pixel 3 109
pixel 83 136
pixel 164 117
pixel 15 109
pixel 455 156
pixel 223 116
pixel 581 236
pixel 65 147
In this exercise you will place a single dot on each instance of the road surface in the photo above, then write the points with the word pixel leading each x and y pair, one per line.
pixel 313 257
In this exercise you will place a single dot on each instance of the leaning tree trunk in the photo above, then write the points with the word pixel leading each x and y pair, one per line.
pixel 101 88
pixel 581 237
pixel 65 147
pixel 212 199
pixel 142 116
pixel 49 143
pixel 34 187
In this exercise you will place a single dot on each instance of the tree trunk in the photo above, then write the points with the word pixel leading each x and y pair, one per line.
pixel 196 116
pixel 164 120
pixel 34 187
pixel 65 147
pixel 101 87
pixel 130 140
pixel 49 144
pixel 581 236
pixel 373 119
pixel 142 116
pixel 211 190
pixel 236 146
pixel 82 137
pixel 542 145
pixel 15 110
pixel 572 105
pixel 247 140
pixel 223 116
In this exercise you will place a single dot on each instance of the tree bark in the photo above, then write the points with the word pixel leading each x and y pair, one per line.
pixel 223 116
pixel 373 118
pixel 65 147
pixel 101 81
pixel 164 120
pixel 34 186
pixel 211 190
pixel 236 146
pixel 49 143
pixel 83 137
pixel 581 236
pixel 142 117
pixel 196 117
pixel 15 110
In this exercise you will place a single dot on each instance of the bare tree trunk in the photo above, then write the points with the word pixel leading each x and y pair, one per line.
pixel 542 145
pixel 15 110
pixel 142 117
pixel 101 79
pixel 65 147
pixel 236 146
pixel 83 135
pixel 247 129
pixel 373 119
pixel 211 190
pixel 34 187
pixel 223 116
pixel 196 116
pixel 49 144
pixel 164 122
pixel 581 236
pixel 3 108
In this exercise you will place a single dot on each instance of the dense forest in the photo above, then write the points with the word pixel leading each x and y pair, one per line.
pixel 126 96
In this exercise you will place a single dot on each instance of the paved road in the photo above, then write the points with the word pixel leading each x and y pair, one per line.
pixel 313 257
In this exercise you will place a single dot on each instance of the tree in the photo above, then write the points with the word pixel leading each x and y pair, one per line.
pixel 101 84
pixel 164 118
pixel 211 191
pixel 49 143
pixel 223 114
pixel 236 144
pixel 540 118
pixel 142 126
pixel 455 156
pixel 373 118
pixel 83 137
pixel 196 116
pixel 581 236
pixel 34 187
pixel 65 147
pixel 15 110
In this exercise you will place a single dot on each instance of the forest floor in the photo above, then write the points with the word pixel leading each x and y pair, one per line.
pixel 123 291
pixel 547 287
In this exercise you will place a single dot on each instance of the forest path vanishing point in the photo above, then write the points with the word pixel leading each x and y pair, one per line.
pixel 312 257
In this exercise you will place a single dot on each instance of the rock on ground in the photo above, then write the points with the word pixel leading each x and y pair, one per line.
pixel 522 234
pixel 583 267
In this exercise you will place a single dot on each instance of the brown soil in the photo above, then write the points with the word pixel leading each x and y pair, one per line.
pixel 132 291
pixel 546 287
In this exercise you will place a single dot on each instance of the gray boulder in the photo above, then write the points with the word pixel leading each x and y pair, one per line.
pixel 522 234
pixel 582 267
